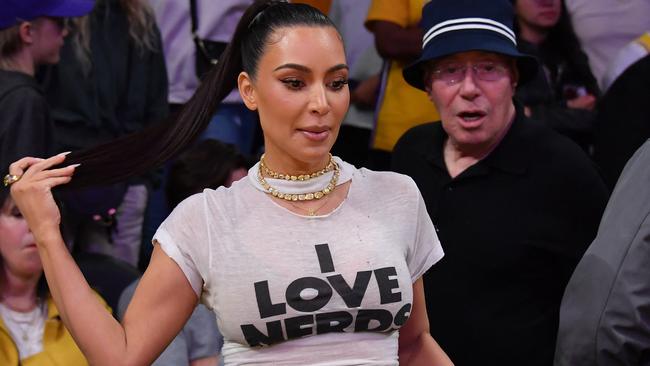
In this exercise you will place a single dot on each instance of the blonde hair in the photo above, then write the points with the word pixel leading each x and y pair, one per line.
pixel 10 44
pixel 142 27
pixel 142 24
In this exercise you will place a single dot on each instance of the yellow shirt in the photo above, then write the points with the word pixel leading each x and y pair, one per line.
pixel 401 105
pixel 644 41
pixel 59 349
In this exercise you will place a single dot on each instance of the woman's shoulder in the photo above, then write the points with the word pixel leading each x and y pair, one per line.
pixel 220 194
pixel 387 182
pixel 221 201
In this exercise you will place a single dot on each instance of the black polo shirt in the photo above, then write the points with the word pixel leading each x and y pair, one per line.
pixel 513 227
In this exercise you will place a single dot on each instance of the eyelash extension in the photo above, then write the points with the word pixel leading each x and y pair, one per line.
pixel 290 83
pixel 336 84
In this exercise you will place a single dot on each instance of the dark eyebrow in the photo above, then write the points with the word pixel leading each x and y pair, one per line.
pixel 306 69
pixel 338 67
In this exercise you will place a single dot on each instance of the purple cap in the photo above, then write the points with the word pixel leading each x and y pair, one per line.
pixel 15 11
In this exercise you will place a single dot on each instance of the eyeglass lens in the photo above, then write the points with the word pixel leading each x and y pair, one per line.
pixel 454 73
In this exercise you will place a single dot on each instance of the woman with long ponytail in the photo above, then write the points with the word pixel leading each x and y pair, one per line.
pixel 307 261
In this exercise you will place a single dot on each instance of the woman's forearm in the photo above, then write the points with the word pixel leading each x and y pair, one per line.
pixel 91 326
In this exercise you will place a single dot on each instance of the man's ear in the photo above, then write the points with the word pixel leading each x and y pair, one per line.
pixel 247 90
pixel 515 74
pixel 26 32
pixel 428 79
pixel 429 91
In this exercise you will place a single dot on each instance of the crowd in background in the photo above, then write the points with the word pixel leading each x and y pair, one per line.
pixel 127 64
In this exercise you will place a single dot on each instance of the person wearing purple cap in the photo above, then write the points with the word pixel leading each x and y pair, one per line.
pixel 31 34
pixel 515 204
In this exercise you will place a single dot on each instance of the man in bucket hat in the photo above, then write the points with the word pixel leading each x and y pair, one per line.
pixel 515 204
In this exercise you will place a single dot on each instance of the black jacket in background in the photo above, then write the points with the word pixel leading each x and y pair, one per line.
pixel 25 123
pixel 547 94
pixel 513 227
pixel 123 90
pixel 623 120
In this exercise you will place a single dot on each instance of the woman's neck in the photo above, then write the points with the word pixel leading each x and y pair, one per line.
pixel 532 34
pixel 19 293
pixel 287 165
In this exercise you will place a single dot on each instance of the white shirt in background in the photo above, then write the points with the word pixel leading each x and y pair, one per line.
pixel 216 21
pixel 604 27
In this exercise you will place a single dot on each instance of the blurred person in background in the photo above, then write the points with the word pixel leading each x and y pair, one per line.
pixel 605 26
pixel 31 34
pixel 111 81
pixel 353 142
pixel 564 93
pixel 194 34
pixel 514 203
pixel 32 332
pixel 626 56
pixel 208 165
pixel 398 39
pixel 622 122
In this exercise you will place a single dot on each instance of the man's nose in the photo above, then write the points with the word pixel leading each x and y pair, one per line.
pixel 468 87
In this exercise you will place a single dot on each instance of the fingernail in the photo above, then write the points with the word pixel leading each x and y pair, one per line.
pixel 65 153
pixel 73 165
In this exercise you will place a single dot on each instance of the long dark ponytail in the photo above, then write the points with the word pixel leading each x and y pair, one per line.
pixel 149 148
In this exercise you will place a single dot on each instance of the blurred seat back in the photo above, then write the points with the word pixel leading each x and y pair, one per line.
pixel 107 275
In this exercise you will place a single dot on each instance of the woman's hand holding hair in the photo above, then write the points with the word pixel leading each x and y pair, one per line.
pixel 162 302
pixel 32 193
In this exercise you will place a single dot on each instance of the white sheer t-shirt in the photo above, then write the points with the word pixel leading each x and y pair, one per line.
pixel 289 289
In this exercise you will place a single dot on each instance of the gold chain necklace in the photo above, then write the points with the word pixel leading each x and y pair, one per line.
pixel 302 196
pixel 310 212
pixel 301 177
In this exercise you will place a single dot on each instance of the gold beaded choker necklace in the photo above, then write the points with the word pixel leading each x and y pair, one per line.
pixel 301 196
pixel 301 177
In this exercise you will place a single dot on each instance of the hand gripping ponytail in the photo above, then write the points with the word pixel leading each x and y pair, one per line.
pixel 142 151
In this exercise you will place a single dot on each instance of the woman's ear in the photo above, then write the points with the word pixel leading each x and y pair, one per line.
pixel 247 90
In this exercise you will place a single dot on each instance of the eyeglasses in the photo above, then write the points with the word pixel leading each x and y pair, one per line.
pixel 453 73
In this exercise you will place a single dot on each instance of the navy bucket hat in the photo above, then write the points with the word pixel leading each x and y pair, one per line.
pixel 468 25
pixel 15 11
